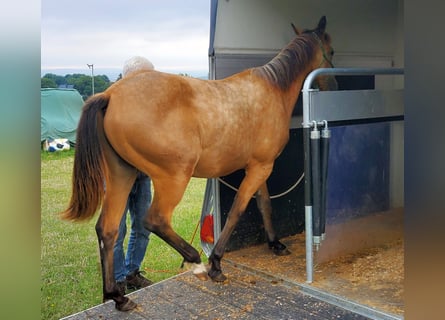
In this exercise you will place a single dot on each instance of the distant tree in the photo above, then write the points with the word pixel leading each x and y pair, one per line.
pixel 80 82
pixel 101 83
pixel 58 80
pixel 119 77
pixel 47 83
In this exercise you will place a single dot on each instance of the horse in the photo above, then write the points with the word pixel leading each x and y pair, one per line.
pixel 172 128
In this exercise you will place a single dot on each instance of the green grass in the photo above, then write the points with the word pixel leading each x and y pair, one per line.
pixel 71 280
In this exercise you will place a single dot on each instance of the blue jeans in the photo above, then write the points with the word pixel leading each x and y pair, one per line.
pixel 138 203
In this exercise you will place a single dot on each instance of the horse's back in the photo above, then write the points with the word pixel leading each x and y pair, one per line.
pixel 215 126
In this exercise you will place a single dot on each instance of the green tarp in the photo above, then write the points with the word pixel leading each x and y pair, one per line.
pixel 60 113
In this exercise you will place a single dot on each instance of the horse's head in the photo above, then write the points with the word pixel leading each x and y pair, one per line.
pixel 324 54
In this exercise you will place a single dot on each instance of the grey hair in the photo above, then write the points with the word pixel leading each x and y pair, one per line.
pixel 136 63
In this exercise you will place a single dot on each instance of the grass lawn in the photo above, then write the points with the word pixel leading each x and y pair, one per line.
pixel 71 280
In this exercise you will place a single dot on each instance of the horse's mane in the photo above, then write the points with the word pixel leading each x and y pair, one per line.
pixel 292 59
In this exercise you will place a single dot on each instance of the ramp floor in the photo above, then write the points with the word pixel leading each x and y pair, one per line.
pixel 244 295
pixel 360 267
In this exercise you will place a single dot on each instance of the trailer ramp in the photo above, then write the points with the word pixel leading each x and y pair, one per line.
pixel 244 295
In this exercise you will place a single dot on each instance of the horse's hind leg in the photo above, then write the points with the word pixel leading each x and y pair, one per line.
pixel 118 186
pixel 265 207
pixel 168 193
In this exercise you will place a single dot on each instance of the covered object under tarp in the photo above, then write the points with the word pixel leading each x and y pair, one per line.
pixel 60 113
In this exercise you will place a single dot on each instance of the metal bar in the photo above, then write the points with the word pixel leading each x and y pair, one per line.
pixel 309 244
pixel 355 105
pixel 325 137
pixel 307 167
pixel 347 304
pixel 363 95
pixel 337 71
pixel 316 187
pixel 217 211
pixel 308 204
pixel 348 71
pixel 208 208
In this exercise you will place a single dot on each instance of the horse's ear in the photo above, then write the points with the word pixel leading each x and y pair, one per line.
pixel 297 32
pixel 321 28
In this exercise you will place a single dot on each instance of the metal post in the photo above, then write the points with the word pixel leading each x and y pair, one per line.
pixel 316 188
pixel 325 137
pixel 308 203
pixel 91 66
pixel 307 92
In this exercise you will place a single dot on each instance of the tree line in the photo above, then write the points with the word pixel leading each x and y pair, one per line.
pixel 80 82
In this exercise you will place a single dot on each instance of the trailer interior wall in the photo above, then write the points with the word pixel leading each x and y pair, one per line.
pixel 365 33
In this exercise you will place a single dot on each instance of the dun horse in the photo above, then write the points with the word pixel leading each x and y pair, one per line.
pixel 172 128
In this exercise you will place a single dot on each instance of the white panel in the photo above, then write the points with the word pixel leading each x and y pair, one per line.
pixel 365 27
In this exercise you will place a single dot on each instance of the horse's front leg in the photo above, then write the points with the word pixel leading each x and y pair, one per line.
pixel 265 207
pixel 255 176
pixel 106 229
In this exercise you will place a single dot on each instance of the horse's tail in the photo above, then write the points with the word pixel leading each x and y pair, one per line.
pixel 88 180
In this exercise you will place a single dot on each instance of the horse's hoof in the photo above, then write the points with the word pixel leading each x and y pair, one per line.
pixel 281 252
pixel 278 248
pixel 217 276
pixel 203 276
pixel 127 305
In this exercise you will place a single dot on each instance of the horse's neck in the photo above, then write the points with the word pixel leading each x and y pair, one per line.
pixel 291 95
pixel 306 60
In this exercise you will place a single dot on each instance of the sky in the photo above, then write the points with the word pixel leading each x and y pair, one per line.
pixel 172 34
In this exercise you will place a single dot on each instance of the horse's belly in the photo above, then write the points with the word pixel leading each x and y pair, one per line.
pixel 213 172
pixel 212 167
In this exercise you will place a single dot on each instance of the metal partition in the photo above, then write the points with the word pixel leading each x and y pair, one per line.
pixel 322 108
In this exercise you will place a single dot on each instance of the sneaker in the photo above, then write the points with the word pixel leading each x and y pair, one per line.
pixel 135 280
pixel 121 286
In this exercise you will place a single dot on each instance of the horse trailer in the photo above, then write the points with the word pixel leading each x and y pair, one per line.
pixel 336 199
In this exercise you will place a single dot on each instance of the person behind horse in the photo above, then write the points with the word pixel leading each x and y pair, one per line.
pixel 127 271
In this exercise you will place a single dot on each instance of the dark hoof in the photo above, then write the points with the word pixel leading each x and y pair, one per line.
pixel 281 252
pixel 278 248
pixel 126 305
pixel 217 276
